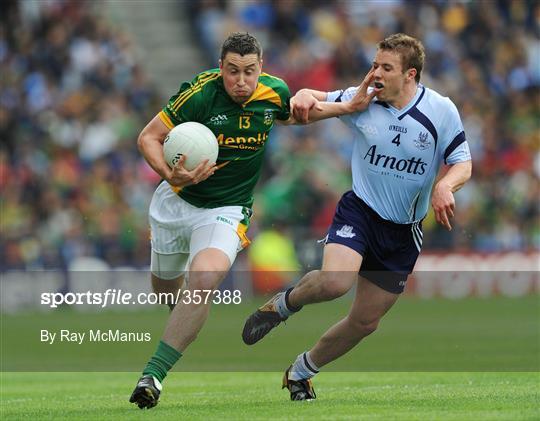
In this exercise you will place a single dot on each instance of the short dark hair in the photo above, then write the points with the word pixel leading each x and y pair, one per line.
pixel 241 43
pixel 410 49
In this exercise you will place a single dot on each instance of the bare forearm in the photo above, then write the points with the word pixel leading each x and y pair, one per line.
pixel 152 150
pixel 150 144
pixel 328 110
pixel 318 95
pixel 457 176
pixel 307 106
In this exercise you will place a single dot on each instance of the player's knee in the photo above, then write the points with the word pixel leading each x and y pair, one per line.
pixel 205 280
pixel 334 285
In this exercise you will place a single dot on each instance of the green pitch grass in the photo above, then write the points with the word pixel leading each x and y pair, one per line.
pixel 494 334
pixel 249 396
pixel 472 359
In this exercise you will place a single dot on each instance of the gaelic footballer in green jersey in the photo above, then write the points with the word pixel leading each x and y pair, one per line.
pixel 241 129
pixel 199 217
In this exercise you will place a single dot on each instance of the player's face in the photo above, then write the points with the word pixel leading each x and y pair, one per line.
pixel 390 75
pixel 240 75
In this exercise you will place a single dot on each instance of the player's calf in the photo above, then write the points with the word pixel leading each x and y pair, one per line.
pixel 320 285
pixel 335 284
pixel 362 327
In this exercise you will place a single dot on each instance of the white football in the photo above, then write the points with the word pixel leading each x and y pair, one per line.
pixel 192 139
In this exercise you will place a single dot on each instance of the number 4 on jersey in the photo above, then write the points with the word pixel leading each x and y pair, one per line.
pixel 395 140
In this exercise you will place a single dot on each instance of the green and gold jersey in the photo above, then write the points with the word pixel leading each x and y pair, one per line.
pixel 241 129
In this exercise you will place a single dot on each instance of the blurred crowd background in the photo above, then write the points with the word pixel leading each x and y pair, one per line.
pixel 74 96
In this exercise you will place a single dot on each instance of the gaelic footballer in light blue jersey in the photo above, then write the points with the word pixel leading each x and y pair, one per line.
pixel 398 152
pixel 404 133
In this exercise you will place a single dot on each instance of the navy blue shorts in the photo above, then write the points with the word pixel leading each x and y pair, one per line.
pixel 389 250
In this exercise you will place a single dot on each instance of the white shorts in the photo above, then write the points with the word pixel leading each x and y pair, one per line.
pixel 177 229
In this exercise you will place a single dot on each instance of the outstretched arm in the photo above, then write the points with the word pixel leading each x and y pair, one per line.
pixel 443 201
pixel 307 105
pixel 301 103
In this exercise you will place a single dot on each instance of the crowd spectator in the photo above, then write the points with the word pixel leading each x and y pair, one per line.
pixel 72 101
pixel 73 98
pixel 485 55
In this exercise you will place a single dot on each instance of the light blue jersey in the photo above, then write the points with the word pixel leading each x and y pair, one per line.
pixel 398 153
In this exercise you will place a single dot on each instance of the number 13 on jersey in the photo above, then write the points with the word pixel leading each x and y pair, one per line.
pixel 244 122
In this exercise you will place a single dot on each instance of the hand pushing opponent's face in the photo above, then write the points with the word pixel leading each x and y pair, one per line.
pixel 240 75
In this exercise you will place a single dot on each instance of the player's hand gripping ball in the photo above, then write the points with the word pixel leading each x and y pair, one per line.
pixel 192 139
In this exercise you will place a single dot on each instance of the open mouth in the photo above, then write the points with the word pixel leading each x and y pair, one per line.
pixel 378 85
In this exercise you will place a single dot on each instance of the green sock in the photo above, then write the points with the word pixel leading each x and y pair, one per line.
pixel 162 361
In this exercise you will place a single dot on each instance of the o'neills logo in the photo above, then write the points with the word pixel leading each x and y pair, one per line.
pixel 242 142
pixel 412 165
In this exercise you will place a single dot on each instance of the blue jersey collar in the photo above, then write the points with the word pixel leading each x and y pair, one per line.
pixel 412 103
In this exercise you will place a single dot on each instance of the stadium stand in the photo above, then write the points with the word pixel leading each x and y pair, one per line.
pixel 74 96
